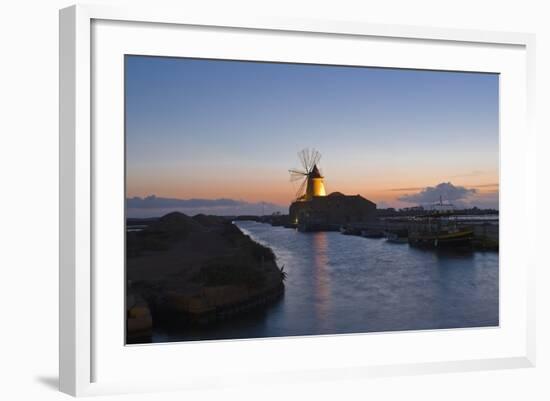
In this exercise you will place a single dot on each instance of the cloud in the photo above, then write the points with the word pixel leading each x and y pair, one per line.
pixel 406 189
pixel 494 185
pixel 153 206
pixel 154 202
pixel 473 173
pixel 447 191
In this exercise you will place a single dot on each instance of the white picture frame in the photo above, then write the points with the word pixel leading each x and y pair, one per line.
pixel 79 213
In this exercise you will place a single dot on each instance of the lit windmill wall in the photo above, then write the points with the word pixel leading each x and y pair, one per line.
pixel 315 184
pixel 312 181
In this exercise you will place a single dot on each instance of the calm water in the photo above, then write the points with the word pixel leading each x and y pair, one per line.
pixel 347 284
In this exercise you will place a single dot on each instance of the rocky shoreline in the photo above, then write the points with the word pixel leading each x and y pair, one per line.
pixel 191 271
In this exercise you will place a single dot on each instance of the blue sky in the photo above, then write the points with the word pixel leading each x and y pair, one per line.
pixel 227 129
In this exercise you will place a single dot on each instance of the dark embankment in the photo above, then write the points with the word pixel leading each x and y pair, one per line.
pixel 190 271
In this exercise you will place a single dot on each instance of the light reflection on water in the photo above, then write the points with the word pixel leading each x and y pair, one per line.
pixel 320 275
pixel 347 284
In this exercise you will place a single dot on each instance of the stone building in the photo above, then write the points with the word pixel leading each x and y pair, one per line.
pixel 314 210
pixel 333 210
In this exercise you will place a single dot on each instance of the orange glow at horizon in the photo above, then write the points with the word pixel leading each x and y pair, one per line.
pixel 282 192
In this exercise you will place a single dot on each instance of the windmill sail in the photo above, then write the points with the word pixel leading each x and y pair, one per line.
pixel 312 181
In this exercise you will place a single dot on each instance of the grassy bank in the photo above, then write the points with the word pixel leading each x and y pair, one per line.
pixel 198 270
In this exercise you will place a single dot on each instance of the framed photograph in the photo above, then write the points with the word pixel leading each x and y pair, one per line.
pixel 277 199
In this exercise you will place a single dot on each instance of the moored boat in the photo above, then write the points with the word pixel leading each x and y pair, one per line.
pixel 442 237
pixel 349 230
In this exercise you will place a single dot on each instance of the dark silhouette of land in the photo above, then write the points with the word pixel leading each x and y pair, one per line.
pixel 191 271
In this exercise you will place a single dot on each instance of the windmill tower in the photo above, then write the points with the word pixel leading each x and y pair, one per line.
pixel 312 181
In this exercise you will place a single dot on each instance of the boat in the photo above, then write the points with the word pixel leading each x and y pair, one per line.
pixel 440 228
pixel 349 230
pixel 452 236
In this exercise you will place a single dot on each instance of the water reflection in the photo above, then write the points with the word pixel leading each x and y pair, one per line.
pixel 346 284
pixel 321 277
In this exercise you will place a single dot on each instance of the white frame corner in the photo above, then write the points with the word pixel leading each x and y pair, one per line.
pixel 75 275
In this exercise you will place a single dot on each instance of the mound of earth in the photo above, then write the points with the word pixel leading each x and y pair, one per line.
pixel 200 269
pixel 162 234
pixel 174 223
pixel 209 221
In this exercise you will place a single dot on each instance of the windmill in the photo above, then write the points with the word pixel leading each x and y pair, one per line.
pixel 312 181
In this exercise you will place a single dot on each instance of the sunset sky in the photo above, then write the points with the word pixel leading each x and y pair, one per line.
pixel 210 129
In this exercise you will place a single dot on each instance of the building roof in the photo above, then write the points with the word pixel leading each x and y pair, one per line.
pixel 315 173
